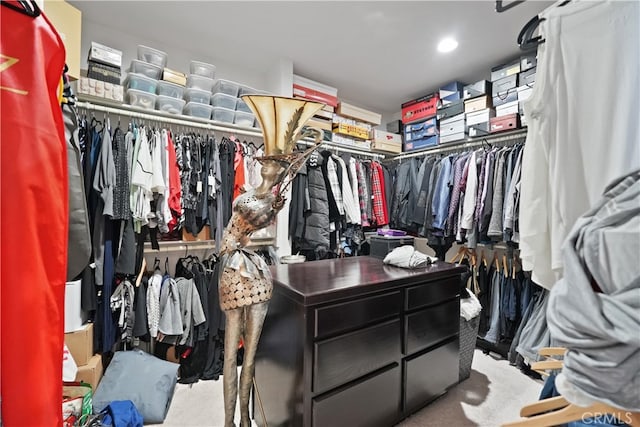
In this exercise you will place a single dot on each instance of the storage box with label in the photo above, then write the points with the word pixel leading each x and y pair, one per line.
pixel 386 141
pixel 91 373
pixel 504 85
pixel 505 97
pixel 478 122
pixel 505 123
pixel 527 78
pixel 451 110
pixel 421 108
pixel 80 344
pixel 105 73
pixel 483 87
pixel 451 92
pixel 427 141
pixel 426 128
pixel 382 245
pixel 477 104
pixel 105 55
pixel 507 109
pixel 452 129
pixel 501 71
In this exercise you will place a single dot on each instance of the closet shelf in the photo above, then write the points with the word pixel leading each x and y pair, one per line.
pixel 101 105
pixel 92 103
pixel 179 245
pixel 466 143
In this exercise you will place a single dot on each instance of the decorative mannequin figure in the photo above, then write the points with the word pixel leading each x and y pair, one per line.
pixel 245 281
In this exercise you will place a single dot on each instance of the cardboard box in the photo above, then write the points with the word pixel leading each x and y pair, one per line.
pixel 176 77
pixel 386 141
pixel 421 108
pixel 80 344
pixel 91 373
pixel 105 54
pixel 67 20
pixel 358 113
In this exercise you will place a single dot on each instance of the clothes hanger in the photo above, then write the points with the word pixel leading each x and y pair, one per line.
pixel 29 8
pixel 570 412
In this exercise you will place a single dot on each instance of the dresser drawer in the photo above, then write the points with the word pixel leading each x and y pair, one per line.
pixel 429 326
pixel 429 374
pixel 337 318
pixel 373 402
pixel 350 356
pixel 432 293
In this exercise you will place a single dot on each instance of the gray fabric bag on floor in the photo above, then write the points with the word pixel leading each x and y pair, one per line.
pixel 144 379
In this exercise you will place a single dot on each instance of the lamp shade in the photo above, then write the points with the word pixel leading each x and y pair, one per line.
pixel 281 120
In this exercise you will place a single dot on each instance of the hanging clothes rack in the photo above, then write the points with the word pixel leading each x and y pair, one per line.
pixel 502 139
pixel 166 118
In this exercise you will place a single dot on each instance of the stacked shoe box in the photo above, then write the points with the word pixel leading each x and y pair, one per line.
pixel 419 121
pixel 478 108
pixel 143 76
pixel 103 73
pixel 450 113
pixel 504 80
pixel 353 125
pixel 312 90
pixel 526 79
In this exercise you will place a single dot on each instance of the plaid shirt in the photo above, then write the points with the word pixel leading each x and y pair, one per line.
pixel 362 193
pixel 379 199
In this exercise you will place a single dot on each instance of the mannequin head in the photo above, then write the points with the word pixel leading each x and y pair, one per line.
pixel 272 173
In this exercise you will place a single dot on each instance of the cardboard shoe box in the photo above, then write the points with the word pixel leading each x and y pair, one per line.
pixel 91 373
pixel 80 344
pixel 385 141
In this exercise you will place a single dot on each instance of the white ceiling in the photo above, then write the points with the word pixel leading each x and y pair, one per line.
pixel 377 53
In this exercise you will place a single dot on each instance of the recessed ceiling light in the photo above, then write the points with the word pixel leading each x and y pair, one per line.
pixel 447 44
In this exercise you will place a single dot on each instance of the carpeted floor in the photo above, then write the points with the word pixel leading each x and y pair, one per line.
pixel 493 395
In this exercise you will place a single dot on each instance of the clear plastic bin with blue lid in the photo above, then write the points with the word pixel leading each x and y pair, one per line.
pixel 141 82
pixel 142 99
pixel 145 68
pixel 221 114
pixel 202 69
pixel 169 104
pixel 197 95
pixel 195 109
pixel 224 100
pixel 170 89
pixel 152 56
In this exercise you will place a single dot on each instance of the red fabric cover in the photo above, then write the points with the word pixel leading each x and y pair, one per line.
pixel 175 187
pixel 33 221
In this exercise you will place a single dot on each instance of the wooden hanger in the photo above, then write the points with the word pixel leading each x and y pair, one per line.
pixel 461 251
pixel 504 266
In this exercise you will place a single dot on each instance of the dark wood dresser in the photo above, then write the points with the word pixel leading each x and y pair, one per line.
pixel 353 342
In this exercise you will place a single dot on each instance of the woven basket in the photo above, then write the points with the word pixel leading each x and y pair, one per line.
pixel 468 335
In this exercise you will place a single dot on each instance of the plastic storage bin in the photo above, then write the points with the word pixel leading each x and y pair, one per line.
pixel 244 119
pixel 195 109
pixel 145 68
pixel 247 90
pixel 141 82
pixel 197 95
pixel 169 104
pixel 152 56
pixel 198 82
pixel 242 106
pixel 170 89
pixel 221 114
pixel 224 100
pixel 226 86
pixel 202 69
pixel 140 98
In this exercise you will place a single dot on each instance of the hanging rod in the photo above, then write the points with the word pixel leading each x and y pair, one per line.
pixel 333 146
pixel 157 116
pixel 475 142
